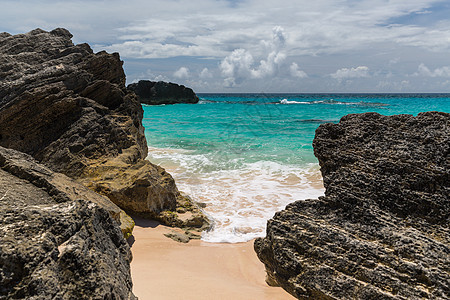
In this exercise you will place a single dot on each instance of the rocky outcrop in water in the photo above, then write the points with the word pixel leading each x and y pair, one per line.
pixel 69 108
pixel 382 229
pixel 156 93
pixel 57 238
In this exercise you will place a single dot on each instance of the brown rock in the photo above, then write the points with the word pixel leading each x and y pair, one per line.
pixel 58 185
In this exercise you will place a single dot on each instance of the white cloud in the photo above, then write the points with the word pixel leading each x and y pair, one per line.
pixel 344 73
pixel 423 70
pixel 326 26
pixel 147 75
pixel 181 73
pixel 278 37
pixel 205 74
pixel 268 66
pixel 239 65
pixel 320 36
pixel 296 72
pixel 393 61
pixel 165 29
pixel 236 67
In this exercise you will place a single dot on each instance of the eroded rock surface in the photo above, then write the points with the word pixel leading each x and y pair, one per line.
pixel 58 185
pixel 160 92
pixel 69 108
pixel 382 229
pixel 53 246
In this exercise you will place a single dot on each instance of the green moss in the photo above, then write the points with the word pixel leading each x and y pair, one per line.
pixel 126 224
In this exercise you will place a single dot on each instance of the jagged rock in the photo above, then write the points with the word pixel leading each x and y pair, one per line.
pixel 69 109
pixel 58 185
pixel 53 246
pixel 156 93
pixel 382 229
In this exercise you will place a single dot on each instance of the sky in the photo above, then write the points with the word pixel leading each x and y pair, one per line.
pixel 232 46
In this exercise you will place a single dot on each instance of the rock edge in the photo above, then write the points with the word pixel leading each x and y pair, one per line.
pixel 160 92
pixel 382 229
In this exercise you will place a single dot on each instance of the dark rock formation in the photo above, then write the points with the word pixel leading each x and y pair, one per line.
pixel 382 229
pixel 156 93
pixel 53 246
pixel 69 109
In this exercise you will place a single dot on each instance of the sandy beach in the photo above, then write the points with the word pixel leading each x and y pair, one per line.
pixel 164 269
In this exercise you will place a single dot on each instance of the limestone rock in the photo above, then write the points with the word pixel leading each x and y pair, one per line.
pixel 69 108
pixel 60 186
pixel 53 246
pixel 156 93
pixel 382 229
pixel 178 237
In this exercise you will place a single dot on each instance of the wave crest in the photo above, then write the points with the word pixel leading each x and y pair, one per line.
pixel 334 102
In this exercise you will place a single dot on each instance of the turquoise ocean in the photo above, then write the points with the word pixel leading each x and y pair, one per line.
pixel 247 156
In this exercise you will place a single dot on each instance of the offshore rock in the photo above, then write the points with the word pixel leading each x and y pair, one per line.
pixel 53 246
pixel 69 108
pixel 382 229
pixel 156 93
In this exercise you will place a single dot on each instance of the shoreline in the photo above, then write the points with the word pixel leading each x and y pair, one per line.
pixel 239 216
pixel 164 269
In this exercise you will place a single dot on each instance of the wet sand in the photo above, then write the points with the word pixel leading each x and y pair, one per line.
pixel 164 269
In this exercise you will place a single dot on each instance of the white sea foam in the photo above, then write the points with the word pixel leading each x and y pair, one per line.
pixel 334 102
pixel 241 198
pixel 286 101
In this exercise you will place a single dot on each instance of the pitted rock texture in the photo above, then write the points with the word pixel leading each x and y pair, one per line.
pixel 53 246
pixel 160 92
pixel 69 108
pixel 63 104
pixel 382 229
pixel 58 185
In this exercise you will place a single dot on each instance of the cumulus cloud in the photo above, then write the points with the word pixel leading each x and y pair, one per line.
pixel 278 37
pixel 268 66
pixel 327 32
pixel 296 72
pixel 160 29
pixel 345 73
pixel 239 65
pixel 181 73
pixel 168 31
pixel 205 74
pixel 236 67
pixel 423 70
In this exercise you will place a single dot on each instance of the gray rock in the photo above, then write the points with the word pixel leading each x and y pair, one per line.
pixel 157 93
pixel 69 108
pixel 382 229
pixel 53 246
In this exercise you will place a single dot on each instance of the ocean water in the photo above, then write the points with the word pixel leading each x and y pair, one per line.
pixel 247 156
